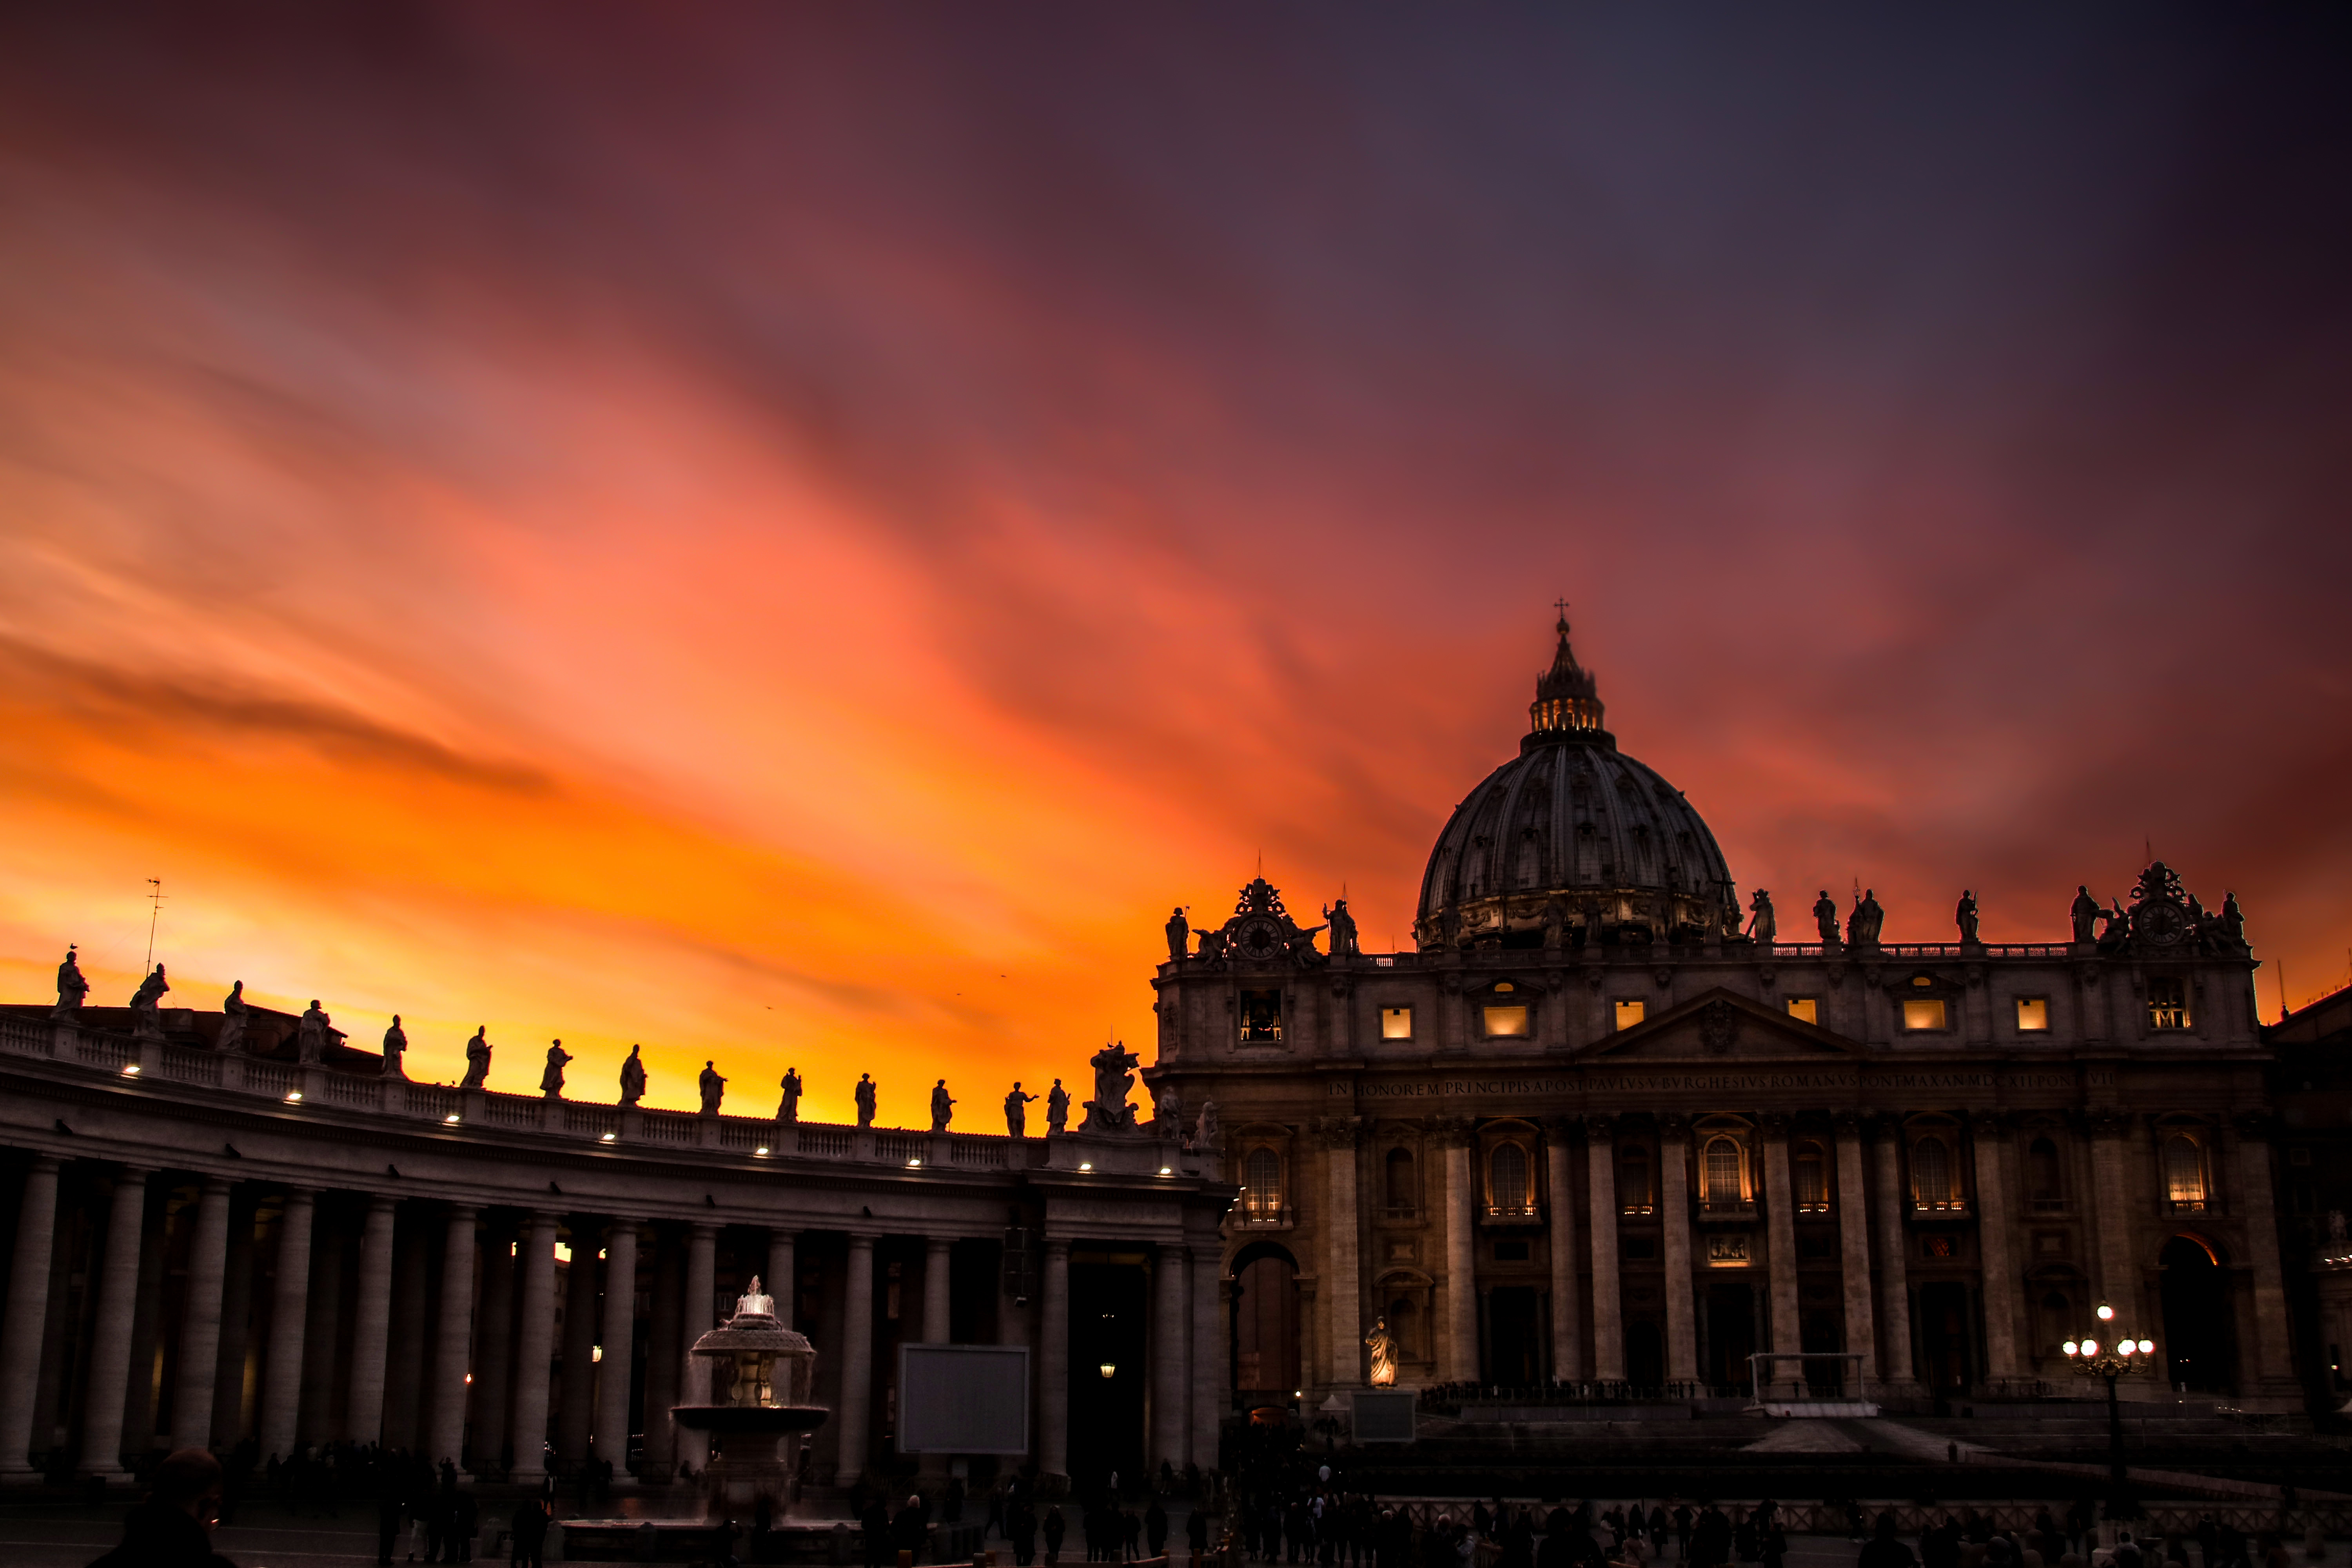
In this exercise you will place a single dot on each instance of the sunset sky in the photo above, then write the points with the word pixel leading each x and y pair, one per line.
pixel 796 534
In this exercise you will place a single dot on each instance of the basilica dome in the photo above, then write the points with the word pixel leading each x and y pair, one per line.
pixel 1572 842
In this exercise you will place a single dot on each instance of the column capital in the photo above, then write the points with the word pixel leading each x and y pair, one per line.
pixel 1675 1127
pixel 382 1203
pixel 1848 1123
pixel 1775 1125
pixel 2253 1122
pixel 1338 1132
pixel 702 1227
pixel 1454 1132
pixel 218 1184
pixel 1990 1126
pixel 1057 1244
pixel 1563 1130
pixel 1600 1127
pixel 2107 1121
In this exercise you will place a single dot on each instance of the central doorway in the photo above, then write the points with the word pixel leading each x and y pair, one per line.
pixel 1514 1336
pixel 1944 1337
pixel 1730 1336
pixel 1107 1376
pixel 2195 1292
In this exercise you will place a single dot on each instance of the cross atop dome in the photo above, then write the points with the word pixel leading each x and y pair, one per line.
pixel 1566 703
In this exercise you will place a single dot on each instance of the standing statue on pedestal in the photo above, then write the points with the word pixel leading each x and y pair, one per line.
pixel 1057 1109
pixel 633 1078
pixel 1862 927
pixel 145 1019
pixel 1179 931
pixel 1383 1346
pixel 864 1097
pixel 1168 1112
pixel 2233 919
pixel 713 1086
pixel 788 1107
pixel 311 1033
pixel 1965 916
pixel 942 1107
pixel 551 1078
pixel 1016 1112
pixel 234 1015
pixel 71 987
pixel 1208 1137
pixel 1343 928
pixel 478 1059
pixel 1762 924
pixel 1109 1110
pixel 395 1045
pixel 2085 915
pixel 1825 918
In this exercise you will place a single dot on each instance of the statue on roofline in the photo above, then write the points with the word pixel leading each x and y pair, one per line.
pixel 865 1098
pixel 1058 1107
pixel 311 1033
pixel 942 1107
pixel 633 1078
pixel 1180 930
pixel 1965 916
pixel 788 1107
pixel 1109 1110
pixel 1761 923
pixel 396 1046
pixel 1016 1112
pixel 551 1078
pixel 714 1087
pixel 236 1015
pixel 146 1005
pixel 478 1059
pixel 71 987
pixel 2085 915
pixel 1825 918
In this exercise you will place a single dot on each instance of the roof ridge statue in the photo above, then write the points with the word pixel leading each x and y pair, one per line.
pixel 713 1084
pixel 71 987
pixel 396 1046
pixel 1016 1111
pixel 551 1078
pixel 633 1078
pixel 478 1059
pixel 236 1014
pixel 146 1019
pixel 1109 1110
pixel 311 1033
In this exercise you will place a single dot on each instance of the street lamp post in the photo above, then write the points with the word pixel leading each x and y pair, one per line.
pixel 2111 1360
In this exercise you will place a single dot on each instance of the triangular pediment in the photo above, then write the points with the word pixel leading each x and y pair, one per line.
pixel 1721 1025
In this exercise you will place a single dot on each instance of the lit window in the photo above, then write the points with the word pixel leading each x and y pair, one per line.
pixel 1922 1014
pixel 1805 1009
pixel 2184 1172
pixel 1633 1179
pixel 1631 1013
pixel 2033 1015
pixel 1262 1184
pixel 1931 1175
pixel 1261 1018
pixel 2167 1003
pixel 1506 1180
pixel 1507 1021
pixel 1396 1023
pixel 1811 1178
pixel 1724 1173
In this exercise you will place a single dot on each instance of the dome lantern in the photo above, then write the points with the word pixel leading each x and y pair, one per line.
pixel 1568 701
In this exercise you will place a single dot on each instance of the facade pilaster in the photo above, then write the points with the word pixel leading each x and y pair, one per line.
pixel 610 1438
pixel 1854 1253
pixel 281 1377
pixel 857 1362
pixel 109 1346
pixel 371 1323
pixel 200 1319
pixel 321 1329
pixel 453 1355
pixel 694 1376
pixel 1168 1361
pixel 1209 1364
pixel 2119 1280
pixel 937 1261
pixel 1567 1310
pixel 1673 1204
pixel 1996 1232
pixel 534 1348
pixel 781 1282
pixel 1608 1295
pixel 1894 1272
pixel 1342 1226
pixel 2273 1358
pixel 1053 1363
pixel 1780 1244
pixel 1461 1268
pixel 27 1321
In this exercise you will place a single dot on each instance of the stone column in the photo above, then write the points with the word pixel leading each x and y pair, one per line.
pixel 371 1323
pixel 452 1356
pixel 694 1375
pixel 139 1412
pixel 1853 1251
pixel 236 1323
pixel 936 1300
pixel 281 1375
pixel 1342 1288
pixel 1608 1297
pixel 1894 1256
pixel 110 1346
pixel 1996 1235
pixel 618 1369
pixel 1461 1270
pixel 1210 1371
pixel 1567 1313
pixel 320 1331
pixel 575 1405
pixel 494 1345
pixel 2274 1360
pixel 200 1319
pixel 781 1282
pixel 534 1349
pixel 1053 1363
pixel 857 1359
pixel 1780 1245
pixel 27 1321
pixel 1673 1205
pixel 662 1358
pixel 1167 1369
pixel 2119 1280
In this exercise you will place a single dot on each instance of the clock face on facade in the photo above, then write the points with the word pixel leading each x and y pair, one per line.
pixel 1258 939
pixel 2160 922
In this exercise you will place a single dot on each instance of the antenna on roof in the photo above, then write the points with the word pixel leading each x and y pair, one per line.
pixel 154 912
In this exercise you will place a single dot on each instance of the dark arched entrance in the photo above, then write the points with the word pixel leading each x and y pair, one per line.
pixel 2195 1290
pixel 1265 1325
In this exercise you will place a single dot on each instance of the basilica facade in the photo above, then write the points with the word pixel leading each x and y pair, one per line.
pixel 1608 1133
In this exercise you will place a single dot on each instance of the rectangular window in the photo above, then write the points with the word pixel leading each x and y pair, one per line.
pixel 1629 1014
pixel 2167 1003
pixel 1805 1009
pixel 1396 1023
pixel 1502 1022
pixel 1925 1012
pixel 2033 1015
pixel 1261 1018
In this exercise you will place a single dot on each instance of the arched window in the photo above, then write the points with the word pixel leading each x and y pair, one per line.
pixel 1402 1190
pixel 1506 1180
pixel 1811 1180
pixel 1633 1179
pixel 1931 1175
pixel 2184 1172
pixel 2042 1190
pixel 1721 1173
pixel 1262 1184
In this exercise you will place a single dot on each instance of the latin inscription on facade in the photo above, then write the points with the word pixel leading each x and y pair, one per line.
pixel 1795 1080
